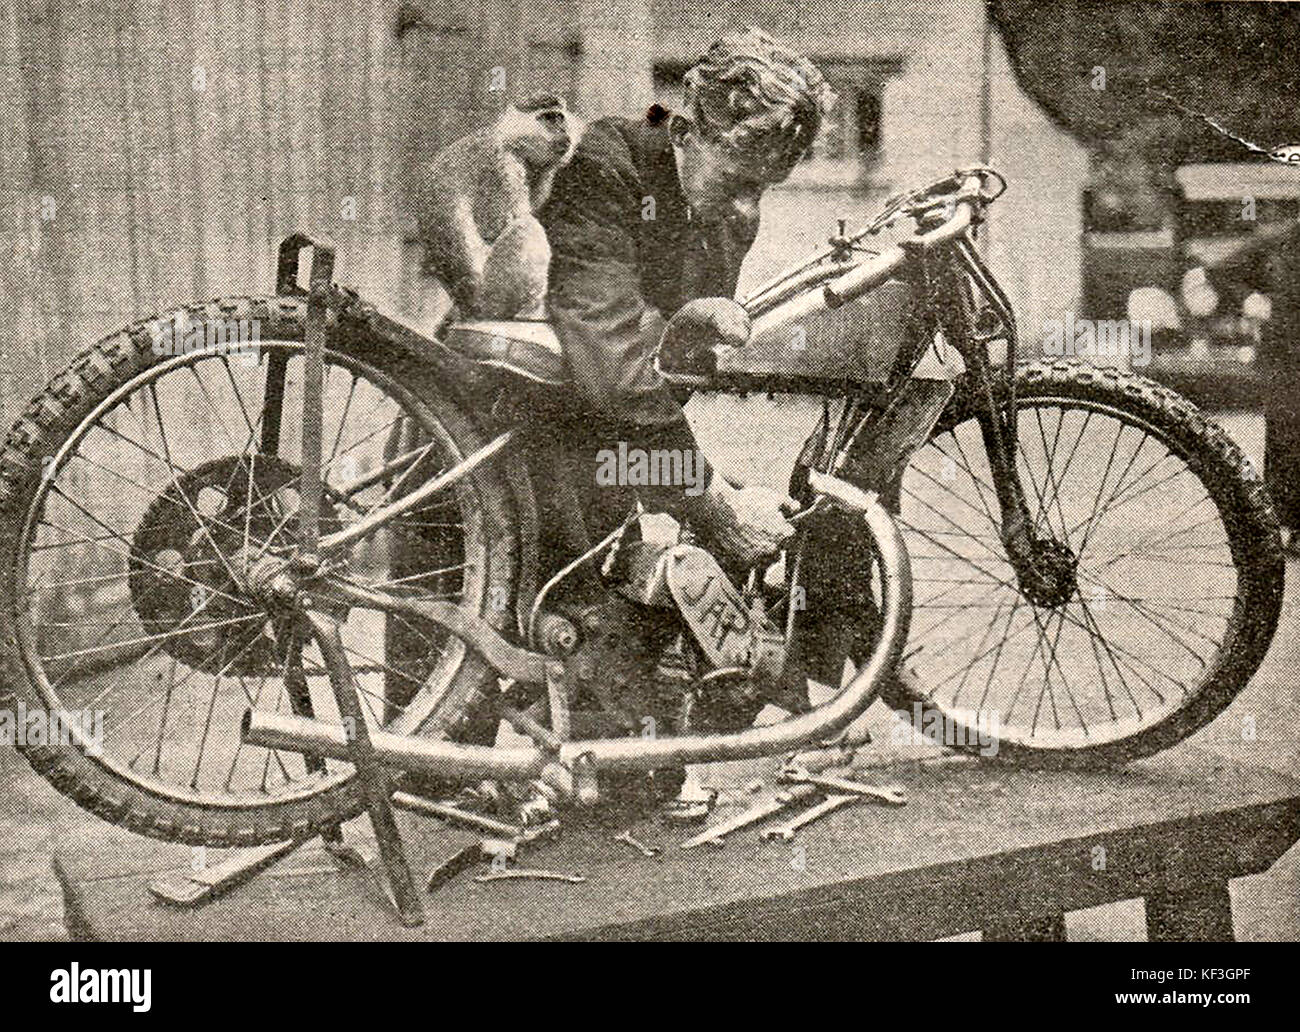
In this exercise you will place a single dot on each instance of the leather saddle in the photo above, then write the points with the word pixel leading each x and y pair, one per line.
pixel 528 349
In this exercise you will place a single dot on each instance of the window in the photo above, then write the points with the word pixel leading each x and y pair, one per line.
pixel 851 141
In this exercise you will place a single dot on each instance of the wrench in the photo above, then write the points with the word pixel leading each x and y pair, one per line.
pixel 891 795
pixel 759 812
pixel 628 839
pixel 454 814
pixel 444 872
pixel 530 873
pixel 786 832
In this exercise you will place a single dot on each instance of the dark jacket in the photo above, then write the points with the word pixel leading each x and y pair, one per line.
pixel 623 247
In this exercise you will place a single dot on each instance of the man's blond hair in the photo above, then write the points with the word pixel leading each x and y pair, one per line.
pixel 757 94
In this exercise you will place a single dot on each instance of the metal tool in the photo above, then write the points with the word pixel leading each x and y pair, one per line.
pixel 838 752
pixel 694 810
pixel 454 814
pixel 530 874
pixel 628 839
pixel 758 812
pixel 891 794
pixel 787 831
pixel 469 819
pixel 462 859
pixel 499 851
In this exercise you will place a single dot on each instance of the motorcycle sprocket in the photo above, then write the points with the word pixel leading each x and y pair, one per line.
pixel 180 565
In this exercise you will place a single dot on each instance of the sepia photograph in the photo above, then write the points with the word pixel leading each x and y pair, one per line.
pixel 782 470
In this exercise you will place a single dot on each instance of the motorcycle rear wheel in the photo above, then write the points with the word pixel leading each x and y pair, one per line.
pixel 117 511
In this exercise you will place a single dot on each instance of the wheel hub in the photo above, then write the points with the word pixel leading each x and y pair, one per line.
pixel 1052 575
pixel 208 554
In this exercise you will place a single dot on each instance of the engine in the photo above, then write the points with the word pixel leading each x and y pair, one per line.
pixel 664 643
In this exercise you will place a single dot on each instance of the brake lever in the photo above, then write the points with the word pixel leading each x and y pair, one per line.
pixel 985 172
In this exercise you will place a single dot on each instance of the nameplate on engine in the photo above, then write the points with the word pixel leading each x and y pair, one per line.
pixel 710 605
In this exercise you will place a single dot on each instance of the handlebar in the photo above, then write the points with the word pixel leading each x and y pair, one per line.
pixel 773 311
pixel 873 272
pixel 963 216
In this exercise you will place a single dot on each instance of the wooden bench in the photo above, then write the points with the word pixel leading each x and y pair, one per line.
pixel 978 847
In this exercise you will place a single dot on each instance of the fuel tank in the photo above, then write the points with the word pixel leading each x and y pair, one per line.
pixel 856 343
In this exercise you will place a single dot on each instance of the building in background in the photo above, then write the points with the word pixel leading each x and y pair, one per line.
pixel 925 88
pixel 1140 248
pixel 154 151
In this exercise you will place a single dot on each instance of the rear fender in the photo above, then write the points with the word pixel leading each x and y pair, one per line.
pixel 472 389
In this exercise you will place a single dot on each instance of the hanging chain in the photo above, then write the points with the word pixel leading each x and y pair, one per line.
pixel 1279 154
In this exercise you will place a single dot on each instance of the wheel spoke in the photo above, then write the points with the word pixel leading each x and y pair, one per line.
pixel 1050 476
pixel 1061 673
pixel 217 625
pixel 111 574
pixel 194 512
pixel 98 542
pixel 979 482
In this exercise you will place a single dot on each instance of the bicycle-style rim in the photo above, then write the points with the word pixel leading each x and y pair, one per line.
pixel 453 651
pixel 962 573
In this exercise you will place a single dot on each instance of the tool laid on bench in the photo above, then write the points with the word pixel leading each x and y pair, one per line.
pixel 759 812
pixel 461 860
pixel 530 874
pixel 454 814
pixel 890 795
pixel 838 752
pixel 787 831
pixel 628 839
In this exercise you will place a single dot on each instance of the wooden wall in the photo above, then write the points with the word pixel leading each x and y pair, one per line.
pixel 153 152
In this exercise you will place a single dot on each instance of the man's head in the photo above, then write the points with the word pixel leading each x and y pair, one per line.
pixel 752 108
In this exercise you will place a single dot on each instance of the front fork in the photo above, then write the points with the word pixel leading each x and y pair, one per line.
pixel 873 446
pixel 999 430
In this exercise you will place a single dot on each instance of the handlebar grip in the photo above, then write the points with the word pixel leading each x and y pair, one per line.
pixel 950 230
pixel 871 273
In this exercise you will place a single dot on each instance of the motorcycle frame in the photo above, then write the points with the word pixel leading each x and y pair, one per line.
pixel 941 262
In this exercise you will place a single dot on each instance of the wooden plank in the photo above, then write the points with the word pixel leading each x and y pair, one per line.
pixel 16 221
pixel 1041 929
pixel 950 898
pixel 1200 914
pixel 975 847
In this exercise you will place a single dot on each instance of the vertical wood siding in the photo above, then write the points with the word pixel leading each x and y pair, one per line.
pixel 153 152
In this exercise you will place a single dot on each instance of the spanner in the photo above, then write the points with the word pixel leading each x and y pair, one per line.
pixel 628 839
pixel 529 874
pixel 759 812
pixel 786 832
pixel 893 796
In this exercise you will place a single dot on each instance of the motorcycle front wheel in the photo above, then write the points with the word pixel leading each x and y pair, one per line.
pixel 1171 588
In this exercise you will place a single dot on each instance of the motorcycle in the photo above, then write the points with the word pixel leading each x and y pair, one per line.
pixel 1071 548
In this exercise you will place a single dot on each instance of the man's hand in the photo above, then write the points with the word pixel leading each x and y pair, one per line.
pixel 690 342
pixel 723 320
pixel 748 524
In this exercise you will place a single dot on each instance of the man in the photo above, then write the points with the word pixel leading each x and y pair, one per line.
pixel 647 217
pixel 648 225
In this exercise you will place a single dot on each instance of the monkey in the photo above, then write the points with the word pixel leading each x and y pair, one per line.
pixel 477 217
